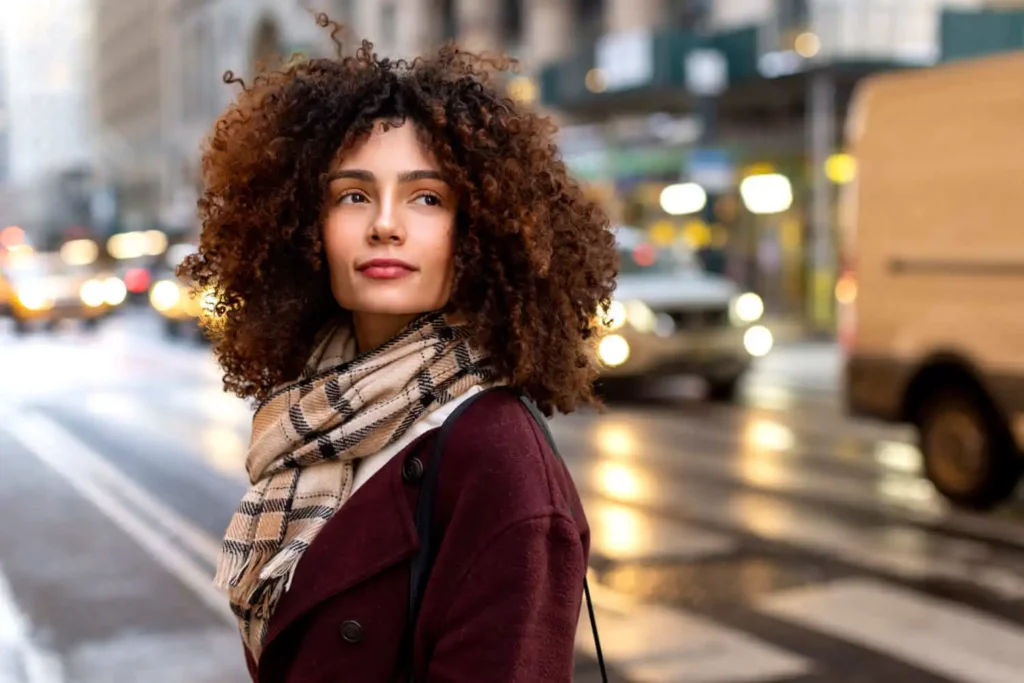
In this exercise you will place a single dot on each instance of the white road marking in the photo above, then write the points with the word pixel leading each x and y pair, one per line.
pixel 122 501
pixel 775 470
pixel 935 635
pixel 652 644
pixel 21 661
pixel 898 549
pixel 215 435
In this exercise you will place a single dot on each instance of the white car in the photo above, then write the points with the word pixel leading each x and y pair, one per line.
pixel 668 316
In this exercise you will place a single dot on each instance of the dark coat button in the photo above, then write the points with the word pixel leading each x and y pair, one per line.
pixel 352 631
pixel 412 470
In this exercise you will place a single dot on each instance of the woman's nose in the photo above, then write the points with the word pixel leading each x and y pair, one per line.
pixel 385 227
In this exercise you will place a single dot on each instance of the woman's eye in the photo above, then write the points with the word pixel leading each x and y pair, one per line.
pixel 428 199
pixel 352 198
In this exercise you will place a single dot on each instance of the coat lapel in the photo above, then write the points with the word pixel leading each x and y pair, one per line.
pixel 374 530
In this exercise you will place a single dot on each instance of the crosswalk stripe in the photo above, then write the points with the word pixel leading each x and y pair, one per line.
pixel 773 471
pixel 903 550
pixel 655 644
pixel 935 635
pixel 205 426
pixel 898 550
pixel 778 472
pixel 21 661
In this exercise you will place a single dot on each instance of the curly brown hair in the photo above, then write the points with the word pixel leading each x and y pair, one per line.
pixel 534 258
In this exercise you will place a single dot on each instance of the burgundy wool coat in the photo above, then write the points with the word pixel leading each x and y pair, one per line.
pixel 504 595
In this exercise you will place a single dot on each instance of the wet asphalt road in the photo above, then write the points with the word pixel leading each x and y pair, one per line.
pixel 772 540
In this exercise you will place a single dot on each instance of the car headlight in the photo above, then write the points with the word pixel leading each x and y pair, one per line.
pixel 613 350
pixel 92 294
pixel 746 308
pixel 114 291
pixel 758 341
pixel 640 316
pixel 34 297
pixel 165 295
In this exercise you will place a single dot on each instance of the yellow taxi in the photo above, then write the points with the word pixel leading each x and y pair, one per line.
pixel 40 288
pixel 182 308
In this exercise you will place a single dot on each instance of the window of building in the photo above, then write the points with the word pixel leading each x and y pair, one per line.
pixel 792 14
pixel 346 12
pixel 589 16
pixel 388 28
pixel 589 9
pixel 687 13
pixel 449 20
pixel 266 46
pixel 512 22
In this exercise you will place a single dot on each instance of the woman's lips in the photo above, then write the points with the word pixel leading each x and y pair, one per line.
pixel 385 272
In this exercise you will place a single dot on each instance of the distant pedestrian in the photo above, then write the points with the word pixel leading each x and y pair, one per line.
pixel 391 243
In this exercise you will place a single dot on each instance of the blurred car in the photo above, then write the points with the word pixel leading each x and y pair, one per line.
pixel 41 288
pixel 669 316
pixel 181 307
pixel 930 296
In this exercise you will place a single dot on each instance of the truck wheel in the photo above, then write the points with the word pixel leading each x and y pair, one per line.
pixel 724 389
pixel 969 453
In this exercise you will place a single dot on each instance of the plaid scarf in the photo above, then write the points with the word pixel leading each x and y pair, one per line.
pixel 307 437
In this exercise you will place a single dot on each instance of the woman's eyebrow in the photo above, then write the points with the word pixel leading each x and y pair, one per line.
pixel 353 174
pixel 413 176
pixel 368 177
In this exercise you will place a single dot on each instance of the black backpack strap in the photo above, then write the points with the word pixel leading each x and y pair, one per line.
pixel 538 417
pixel 423 561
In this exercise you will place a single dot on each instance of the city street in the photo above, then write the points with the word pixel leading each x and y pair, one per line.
pixel 772 540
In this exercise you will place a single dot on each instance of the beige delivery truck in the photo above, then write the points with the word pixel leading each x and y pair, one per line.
pixel 932 297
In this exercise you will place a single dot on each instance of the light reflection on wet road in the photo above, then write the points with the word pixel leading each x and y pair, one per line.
pixel 730 543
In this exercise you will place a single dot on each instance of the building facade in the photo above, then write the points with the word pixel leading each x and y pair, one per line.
pixel 45 126
pixel 207 38
pixel 46 108
pixel 128 93
pixel 648 93
pixel 4 123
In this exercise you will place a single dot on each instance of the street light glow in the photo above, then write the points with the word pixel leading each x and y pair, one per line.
pixel 807 44
pixel 12 236
pixel 683 198
pixel 79 252
pixel 841 168
pixel 765 194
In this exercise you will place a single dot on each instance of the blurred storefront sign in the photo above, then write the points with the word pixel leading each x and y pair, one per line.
pixel 712 169
pixel 973 33
pixel 625 60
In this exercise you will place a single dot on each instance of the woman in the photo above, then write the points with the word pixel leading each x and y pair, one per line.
pixel 390 241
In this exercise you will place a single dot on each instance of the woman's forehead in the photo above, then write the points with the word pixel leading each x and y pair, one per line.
pixel 388 144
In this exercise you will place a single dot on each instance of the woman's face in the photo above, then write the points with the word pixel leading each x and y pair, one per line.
pixel 388 231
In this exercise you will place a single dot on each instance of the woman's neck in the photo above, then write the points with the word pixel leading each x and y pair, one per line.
pixel 374 329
